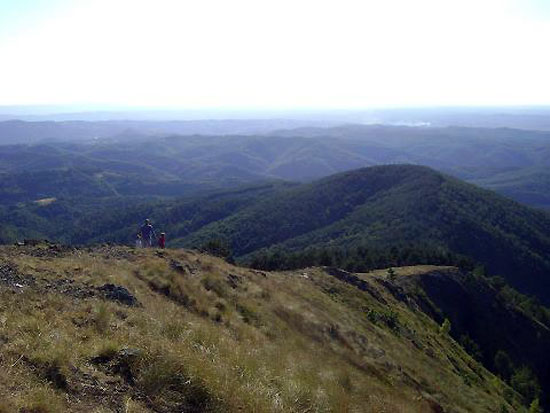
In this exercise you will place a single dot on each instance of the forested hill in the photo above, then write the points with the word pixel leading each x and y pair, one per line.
pixel 359 220
pixel 394 206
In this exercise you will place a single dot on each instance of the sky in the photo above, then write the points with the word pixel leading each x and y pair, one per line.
pixel 274 53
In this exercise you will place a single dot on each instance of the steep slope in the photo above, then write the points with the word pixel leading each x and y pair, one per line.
pixel 172 331
pixel 393 205
pixel 505 331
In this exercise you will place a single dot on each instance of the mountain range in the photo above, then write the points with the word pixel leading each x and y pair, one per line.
pixel 512 162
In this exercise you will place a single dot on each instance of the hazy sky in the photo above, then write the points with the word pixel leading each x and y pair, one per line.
pixel 274 53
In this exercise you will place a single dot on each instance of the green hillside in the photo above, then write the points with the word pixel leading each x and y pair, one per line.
pixel 363 219
pixel 530 186
pixel 392 206
pixel 116 329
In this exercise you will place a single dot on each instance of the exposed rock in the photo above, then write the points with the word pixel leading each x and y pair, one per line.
pixel 394 289
pixel 69 287
pixel 234 280
pixel 120 363
pixel 357 282
pixel 117 293
pixel 10 276
pixel 181 268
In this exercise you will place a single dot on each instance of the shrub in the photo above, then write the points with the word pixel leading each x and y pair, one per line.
pixel 525 382
pixel 389 318
pixel 445 327
pixel 102 318
pixel 534 407
pixel 471 347
pixel 503 365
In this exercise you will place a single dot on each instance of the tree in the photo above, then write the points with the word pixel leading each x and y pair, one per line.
pixel 503 365
pixel 525 382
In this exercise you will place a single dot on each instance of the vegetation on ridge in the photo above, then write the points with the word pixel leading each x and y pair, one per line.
pixel 207 336
pixel 409 208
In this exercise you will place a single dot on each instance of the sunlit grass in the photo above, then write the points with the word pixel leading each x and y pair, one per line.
pixel 278 342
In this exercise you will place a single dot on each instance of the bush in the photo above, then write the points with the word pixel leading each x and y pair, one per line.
pixel 534 407
pixel 445 327
pixel 471 347
pixel 389 318
pixel 503 365
pixel 102 318
pixel 525 382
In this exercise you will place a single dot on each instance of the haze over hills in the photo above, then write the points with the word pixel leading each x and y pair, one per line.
pixel 24 132
pixel 518 117
pixel 512 162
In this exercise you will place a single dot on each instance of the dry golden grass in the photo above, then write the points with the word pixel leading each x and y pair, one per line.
pixel 208 336
pixel 408 270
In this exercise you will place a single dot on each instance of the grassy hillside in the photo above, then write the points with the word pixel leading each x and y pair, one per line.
pixel 115 329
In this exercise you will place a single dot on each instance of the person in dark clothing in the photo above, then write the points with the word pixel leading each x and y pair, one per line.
pixel 147 234
pixel 162 240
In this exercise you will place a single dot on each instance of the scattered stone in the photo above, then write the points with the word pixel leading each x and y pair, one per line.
pixel 117 293
pixel 177 266
pixel 121 362
pixel 394 289
pixel 234 280
pixel 10 276
pixel 354 280
pixel 181 268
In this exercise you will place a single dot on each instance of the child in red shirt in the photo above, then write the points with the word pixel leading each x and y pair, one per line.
pixel 162 240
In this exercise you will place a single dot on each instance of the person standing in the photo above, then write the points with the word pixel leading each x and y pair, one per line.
pixel 147 234
pixel 162 240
